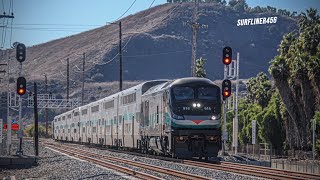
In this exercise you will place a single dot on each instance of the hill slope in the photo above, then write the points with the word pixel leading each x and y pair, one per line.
pixel 162 49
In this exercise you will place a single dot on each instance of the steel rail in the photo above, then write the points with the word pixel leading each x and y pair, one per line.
pixel 141 165
pixel 106 164
pixel 273 170
pixel 256 171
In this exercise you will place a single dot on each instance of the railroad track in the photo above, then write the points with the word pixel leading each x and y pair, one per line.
pixel 251 170
pixel 106 161
pixel 257 171
pixel 298 175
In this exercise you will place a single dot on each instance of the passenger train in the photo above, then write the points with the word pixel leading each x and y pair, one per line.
pixel 179 118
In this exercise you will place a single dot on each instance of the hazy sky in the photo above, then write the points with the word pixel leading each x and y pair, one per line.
pixel 39 21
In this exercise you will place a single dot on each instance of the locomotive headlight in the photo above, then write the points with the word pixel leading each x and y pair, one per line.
pixel 194 105
pixel 181 138
pixel 198 105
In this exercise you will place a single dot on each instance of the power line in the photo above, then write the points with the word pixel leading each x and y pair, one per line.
pixel 46 29
pixel 126 11
pixel 136 33
pixel 156 54
pixel 33 24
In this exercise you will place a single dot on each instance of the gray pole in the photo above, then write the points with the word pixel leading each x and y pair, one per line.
pixel 195 27
pixel 20 134
pixel 314 139
pixel 224 134
pixel 67 79
pixel 236 108
pixel 46 109
pixel 224 126
pixel 83 64
pixel 36 135
pixel 120 55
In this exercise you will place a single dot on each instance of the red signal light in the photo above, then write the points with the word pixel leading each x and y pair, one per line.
pixel 226 93
pixel 21 86
pixel 226 61
pixel 226 88
pixel 21 91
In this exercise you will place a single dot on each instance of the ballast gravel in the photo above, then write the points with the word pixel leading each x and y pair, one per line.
pixel 214 174
pixel 54 165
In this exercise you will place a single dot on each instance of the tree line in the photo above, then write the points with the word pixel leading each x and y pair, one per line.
pixel 285 105
pixel 242 6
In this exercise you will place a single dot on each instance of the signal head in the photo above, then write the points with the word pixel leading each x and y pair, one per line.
pixel 21 86
pixel 227 55
pixel 21 52
pixel 226 88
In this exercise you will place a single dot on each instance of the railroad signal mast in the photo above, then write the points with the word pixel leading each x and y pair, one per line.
pixel 21 90
pixel 231 71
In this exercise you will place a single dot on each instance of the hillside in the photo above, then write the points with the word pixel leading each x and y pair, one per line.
pixel 163 50
pixel 157 45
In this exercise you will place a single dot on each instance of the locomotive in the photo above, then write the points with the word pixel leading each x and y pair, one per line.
pixel 179 118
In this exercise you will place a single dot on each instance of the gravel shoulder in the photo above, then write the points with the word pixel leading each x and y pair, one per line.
pixel 54 165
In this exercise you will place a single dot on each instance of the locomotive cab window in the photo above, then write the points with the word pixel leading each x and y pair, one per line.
pixel 183 93
pixel 209 93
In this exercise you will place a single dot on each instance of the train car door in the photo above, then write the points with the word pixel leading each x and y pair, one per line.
pixel 146 115
pixel 122 143
pixel 132 131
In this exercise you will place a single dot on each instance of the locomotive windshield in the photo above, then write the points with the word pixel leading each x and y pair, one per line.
pixel 196 100
pixel 183 93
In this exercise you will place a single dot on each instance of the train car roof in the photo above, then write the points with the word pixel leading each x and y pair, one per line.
pixel 140 87
pixel 191 81
pixel 157 88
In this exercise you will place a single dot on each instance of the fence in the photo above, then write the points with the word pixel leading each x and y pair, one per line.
pixel 308 166
pixel 263 152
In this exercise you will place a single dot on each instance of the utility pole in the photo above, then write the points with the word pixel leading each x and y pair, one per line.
pixel 46 110
pixel 67 79
pixel 120 55
pixel 195 27
pixel 83 64
pixel 36 137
